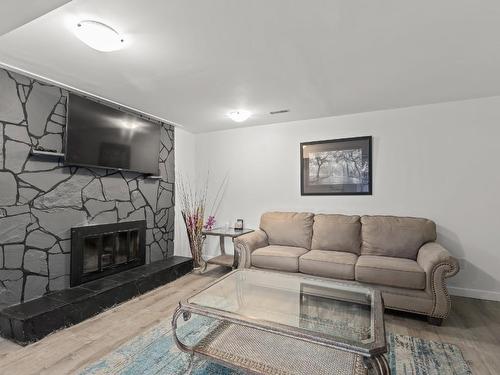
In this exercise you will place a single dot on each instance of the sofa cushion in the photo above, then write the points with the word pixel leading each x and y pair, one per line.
pixel 336 232
pixel 280 258
pixel 328 263
pixel 288 228
pixel 392 236
pixel 397 272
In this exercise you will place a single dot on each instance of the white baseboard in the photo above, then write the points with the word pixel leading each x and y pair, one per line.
pixel 474 293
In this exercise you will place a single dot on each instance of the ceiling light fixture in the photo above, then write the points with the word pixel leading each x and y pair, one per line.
pixel 239 115
pixel 99 36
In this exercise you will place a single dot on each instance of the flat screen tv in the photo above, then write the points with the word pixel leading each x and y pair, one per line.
pixel 101 136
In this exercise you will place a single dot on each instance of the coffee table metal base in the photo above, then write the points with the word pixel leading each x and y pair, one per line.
pixel 257 351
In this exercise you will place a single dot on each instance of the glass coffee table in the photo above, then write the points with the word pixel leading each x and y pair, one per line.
pixel 275 323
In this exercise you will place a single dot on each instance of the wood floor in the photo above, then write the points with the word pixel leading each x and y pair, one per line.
pixel 474 326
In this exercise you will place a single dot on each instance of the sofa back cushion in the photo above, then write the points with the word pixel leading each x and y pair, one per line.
pixel 337 233
pixel 399 237
pixel 288 228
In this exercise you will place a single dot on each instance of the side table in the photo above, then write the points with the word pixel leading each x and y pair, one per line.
pixel 224 259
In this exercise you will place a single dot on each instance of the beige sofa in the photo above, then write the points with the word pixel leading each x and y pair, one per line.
pixel 397 255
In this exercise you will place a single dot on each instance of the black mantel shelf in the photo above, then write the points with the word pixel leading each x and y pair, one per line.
pixel 33 320
pixel 36 152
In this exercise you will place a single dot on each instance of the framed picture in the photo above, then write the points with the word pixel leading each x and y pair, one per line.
pixel 336 167
pixel 239 224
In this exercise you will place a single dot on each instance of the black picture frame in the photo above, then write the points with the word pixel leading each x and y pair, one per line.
pixel 239 224
pixel 343 154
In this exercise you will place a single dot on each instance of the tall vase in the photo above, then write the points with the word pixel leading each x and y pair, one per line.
pixel 195 253
pixel 199 264
pixel 196 240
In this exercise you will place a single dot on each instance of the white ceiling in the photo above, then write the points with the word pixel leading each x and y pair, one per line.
pixel 15 13
pixel 191 62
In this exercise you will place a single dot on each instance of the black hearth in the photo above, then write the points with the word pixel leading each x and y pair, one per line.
pixel 102 250
pixel 30 321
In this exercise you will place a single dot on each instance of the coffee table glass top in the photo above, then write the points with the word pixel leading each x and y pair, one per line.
pixel 344 315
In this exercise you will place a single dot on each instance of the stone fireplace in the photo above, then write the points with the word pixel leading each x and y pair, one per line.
pixel 42 198
pixel 101 250
pixel 125 221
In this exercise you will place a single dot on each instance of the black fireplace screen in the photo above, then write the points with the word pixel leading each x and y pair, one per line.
pixel 100 250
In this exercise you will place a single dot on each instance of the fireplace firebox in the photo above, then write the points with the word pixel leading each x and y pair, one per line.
pixel 101 250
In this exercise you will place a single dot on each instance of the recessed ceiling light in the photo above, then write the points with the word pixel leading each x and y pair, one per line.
pixel 99 36
pixel 239 115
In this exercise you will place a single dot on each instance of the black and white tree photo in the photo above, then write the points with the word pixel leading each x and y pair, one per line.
pixel 337 166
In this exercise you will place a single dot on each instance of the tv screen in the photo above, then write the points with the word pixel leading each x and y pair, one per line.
pixel 100 136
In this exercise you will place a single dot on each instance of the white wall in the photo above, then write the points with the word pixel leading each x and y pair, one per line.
pixel 185 162
pixel 436 161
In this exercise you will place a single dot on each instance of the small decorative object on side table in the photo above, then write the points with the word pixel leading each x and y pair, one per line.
pixel 239 224
pixel 224 259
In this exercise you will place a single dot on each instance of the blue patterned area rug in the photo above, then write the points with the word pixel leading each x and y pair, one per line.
pixel 155 352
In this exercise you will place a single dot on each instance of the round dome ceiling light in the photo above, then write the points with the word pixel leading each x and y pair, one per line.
pixel 99 36
pixel 239 115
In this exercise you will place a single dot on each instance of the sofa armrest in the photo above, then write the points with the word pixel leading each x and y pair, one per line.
pixel 246 244
pixel 438 265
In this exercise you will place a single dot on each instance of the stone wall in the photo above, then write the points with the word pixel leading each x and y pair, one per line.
pixel 41 199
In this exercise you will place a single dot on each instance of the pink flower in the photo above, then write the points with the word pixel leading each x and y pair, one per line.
pixel 209 225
